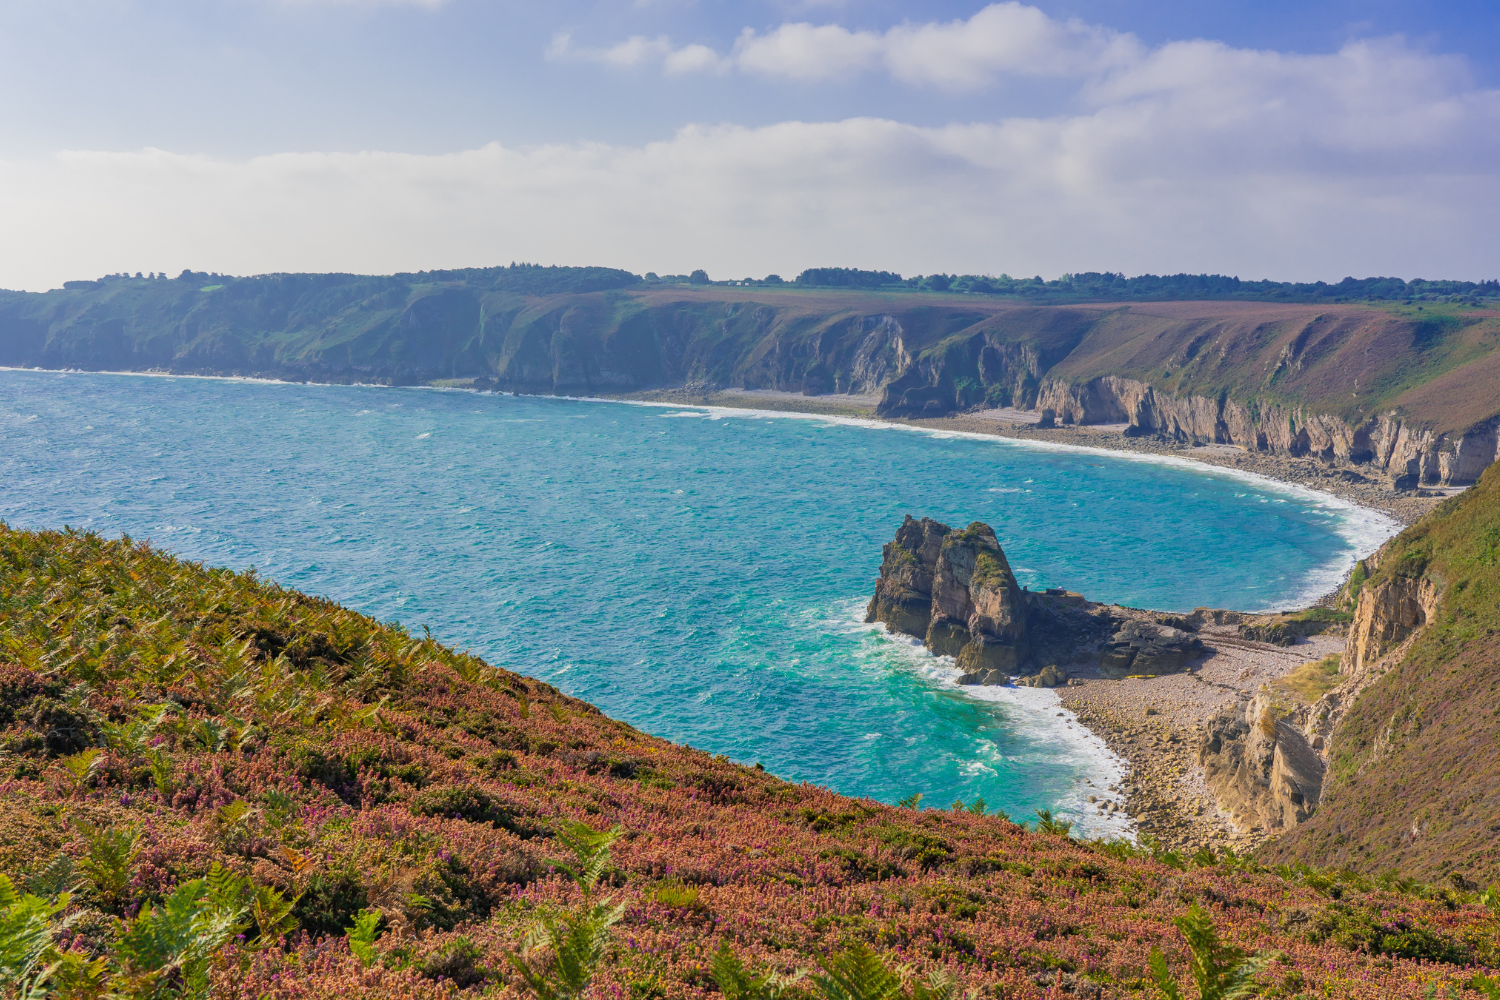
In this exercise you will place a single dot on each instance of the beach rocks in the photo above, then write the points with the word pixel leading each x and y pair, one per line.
pixel 1144 648
pixel 1050 676
pixel 903 595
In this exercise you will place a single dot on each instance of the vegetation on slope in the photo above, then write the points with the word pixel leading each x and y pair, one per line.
pixel 215 786
pixel 1414 780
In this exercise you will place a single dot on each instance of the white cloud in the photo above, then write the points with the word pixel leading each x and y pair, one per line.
pixel 807 52
pixel 1377 159
pixel 639 50
pixel 1003 38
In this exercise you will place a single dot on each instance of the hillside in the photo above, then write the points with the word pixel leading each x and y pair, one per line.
pixel 218 787
pixel 1410 391
pixel 1414 775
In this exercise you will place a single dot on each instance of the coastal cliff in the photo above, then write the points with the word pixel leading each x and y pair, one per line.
pixel 1396 391
pixel 1411 732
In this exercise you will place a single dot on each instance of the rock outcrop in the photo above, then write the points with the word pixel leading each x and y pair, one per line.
pixel 1388 614
pixel 1260 767
pixel 903 596
pixel 1144 648
pixel 955 591
pixel 978 609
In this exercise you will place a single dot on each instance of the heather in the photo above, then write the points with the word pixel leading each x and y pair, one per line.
pixel 217 786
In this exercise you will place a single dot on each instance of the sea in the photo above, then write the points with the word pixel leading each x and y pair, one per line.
pixel 700 573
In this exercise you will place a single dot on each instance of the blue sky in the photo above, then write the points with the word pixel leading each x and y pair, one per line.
pixel 1279 139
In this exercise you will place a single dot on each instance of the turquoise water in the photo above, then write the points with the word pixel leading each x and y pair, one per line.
pixel 700 574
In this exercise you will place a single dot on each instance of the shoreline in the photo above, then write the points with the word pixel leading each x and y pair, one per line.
pixel 1155 726
pixel 1345 483
pixel 1164 791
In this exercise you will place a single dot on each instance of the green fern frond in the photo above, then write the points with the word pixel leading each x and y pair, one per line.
pixel 362 935
pixel 857 974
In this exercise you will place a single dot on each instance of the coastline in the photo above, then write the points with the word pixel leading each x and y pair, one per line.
pixel 1342 482
pixel 1156 725
pixel 1161 795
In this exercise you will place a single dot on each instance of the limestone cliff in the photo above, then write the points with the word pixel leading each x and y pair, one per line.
pixel 1411 735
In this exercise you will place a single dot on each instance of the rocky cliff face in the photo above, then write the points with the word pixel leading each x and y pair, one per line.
pixel 978 611
pixel 1265 762
pixel 1263 772
pixel 1390 445
pixel 903 596
pixel 955 591
pixel 1343 384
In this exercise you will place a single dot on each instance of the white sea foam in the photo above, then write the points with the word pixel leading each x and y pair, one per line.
pixel 1035 713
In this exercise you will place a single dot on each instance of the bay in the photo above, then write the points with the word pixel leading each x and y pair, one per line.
pixel 699 573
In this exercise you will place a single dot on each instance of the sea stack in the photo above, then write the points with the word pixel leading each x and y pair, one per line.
pixel 903 595
pixel 956 592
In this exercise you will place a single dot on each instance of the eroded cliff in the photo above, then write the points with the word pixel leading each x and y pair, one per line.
pixel 1387 389
pixel 1411 734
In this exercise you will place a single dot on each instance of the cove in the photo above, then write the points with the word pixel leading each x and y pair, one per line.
pixel 701 574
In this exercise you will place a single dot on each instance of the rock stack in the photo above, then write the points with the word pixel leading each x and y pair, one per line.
pixel 955 591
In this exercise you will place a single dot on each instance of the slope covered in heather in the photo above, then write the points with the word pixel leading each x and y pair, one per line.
pixel 1414 775
pixel 181 742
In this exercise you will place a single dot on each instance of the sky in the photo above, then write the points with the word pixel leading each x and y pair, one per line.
pixel 1295 141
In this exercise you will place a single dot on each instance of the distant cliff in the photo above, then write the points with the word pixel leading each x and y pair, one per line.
pixel 1406 391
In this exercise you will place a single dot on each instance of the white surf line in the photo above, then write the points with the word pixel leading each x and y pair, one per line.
pixel 1040 717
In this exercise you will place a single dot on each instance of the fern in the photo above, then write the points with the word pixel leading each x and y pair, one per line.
pixel 60 875
pixel 362 935
pixel 1046 823
pixel 576 946
pixel 1488 986
pixel 110 862
pixel 166 950
pixel 577 942
pixel 590 852
pixel 736 982
pixel 1219 971
pixel 28 960
pixel 911 801
pixel 858 974
pixel 81 766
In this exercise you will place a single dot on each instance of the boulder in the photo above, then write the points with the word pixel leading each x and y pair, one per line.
pixel 1050 676
pixel 903 594
pixel 1144 648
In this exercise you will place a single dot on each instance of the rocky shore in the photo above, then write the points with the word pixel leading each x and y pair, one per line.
pixel 1217 755
pixel 1187 700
